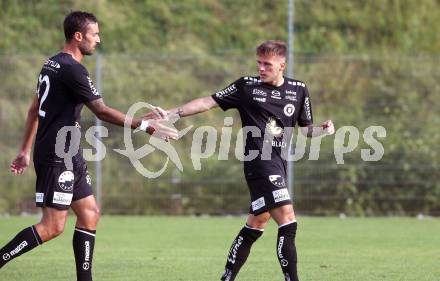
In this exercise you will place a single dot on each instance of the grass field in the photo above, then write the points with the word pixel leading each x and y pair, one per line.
pixel 194 249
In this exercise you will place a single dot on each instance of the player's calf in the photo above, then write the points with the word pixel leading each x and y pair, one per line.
pixel 239 251
pixel 23 242
pixel 83 246
pixel 286 250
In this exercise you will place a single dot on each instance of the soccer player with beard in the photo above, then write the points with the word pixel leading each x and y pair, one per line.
pixel 270 103
pixel 64 86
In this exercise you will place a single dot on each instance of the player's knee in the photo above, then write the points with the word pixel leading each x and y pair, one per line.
pixel 258 223
pixel 53 230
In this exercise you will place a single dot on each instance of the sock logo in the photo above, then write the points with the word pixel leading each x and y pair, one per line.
pixel 283 261
pixel 234 249
pixel 6 257
pixel 227 275
pixel 86 264
pixel 16 250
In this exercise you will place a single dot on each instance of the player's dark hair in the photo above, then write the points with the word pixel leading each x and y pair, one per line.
pixel 272 47
pixel 77 21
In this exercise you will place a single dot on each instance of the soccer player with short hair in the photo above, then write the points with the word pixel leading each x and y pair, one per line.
pixel 64 86
pixel 271 103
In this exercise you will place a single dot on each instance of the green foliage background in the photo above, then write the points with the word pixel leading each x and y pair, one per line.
pixel 365 62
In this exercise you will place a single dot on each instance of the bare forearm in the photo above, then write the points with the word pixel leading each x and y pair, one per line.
pixel 116 117
pixel 194 107
pixel 30 127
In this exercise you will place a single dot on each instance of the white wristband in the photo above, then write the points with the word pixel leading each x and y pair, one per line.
pixel 143 126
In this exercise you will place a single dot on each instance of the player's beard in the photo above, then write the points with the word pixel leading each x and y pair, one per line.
pixel 85 49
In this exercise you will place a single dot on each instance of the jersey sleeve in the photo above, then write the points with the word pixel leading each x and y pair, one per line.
pixel 305 117
pixel 81 84
pixel 229 97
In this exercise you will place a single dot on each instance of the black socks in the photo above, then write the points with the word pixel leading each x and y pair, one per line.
pixel 83 245
pixel 24 241
pixel 239 251
pixel 286 251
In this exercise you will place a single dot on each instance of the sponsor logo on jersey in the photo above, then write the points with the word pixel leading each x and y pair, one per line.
pixel 290 95
pixel 259 99
pixel 276 95
pixel 307 105
pixel 277 180
pixel 273 128
pixel 52 63
pixel 92 87
pixel 66 180
pixel 226 92
pixel 39 197
pixel 280 195
pixel 62 198
pixel 276 143
pixel 88 179
pixel 289 109
pixel 259 92
pixel 258 204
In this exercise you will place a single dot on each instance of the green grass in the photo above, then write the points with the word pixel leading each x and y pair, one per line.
pixel 194 249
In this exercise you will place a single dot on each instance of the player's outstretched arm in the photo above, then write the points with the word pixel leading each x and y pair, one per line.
pixel 195 106
pixel 116 117
pixel 326 128
pixel 21 162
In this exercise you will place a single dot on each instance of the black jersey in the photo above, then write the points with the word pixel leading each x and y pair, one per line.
pixel 63 87
pixel 270 109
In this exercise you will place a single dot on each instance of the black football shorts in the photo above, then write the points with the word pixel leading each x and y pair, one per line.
pixel 267 193
pixel 58 187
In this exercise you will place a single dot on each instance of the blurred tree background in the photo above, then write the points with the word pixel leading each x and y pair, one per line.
pixel 366 63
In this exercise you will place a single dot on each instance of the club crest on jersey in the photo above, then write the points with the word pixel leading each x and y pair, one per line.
pixel 289 109
pixel 66 180
pixel 277 180
pixel 276 95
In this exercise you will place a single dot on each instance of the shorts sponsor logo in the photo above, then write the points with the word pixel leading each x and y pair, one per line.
pixel 289 109
pixel 39 197
pixel 258 204
pixel 89 179
pixel 277 180
pixel 66 180
pixel 281 195
pixel 259 99
pixel 62 198
pixel 259 92
pixel 226 92
pixel 276 95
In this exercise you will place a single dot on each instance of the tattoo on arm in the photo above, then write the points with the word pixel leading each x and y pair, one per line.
pixel 180 112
